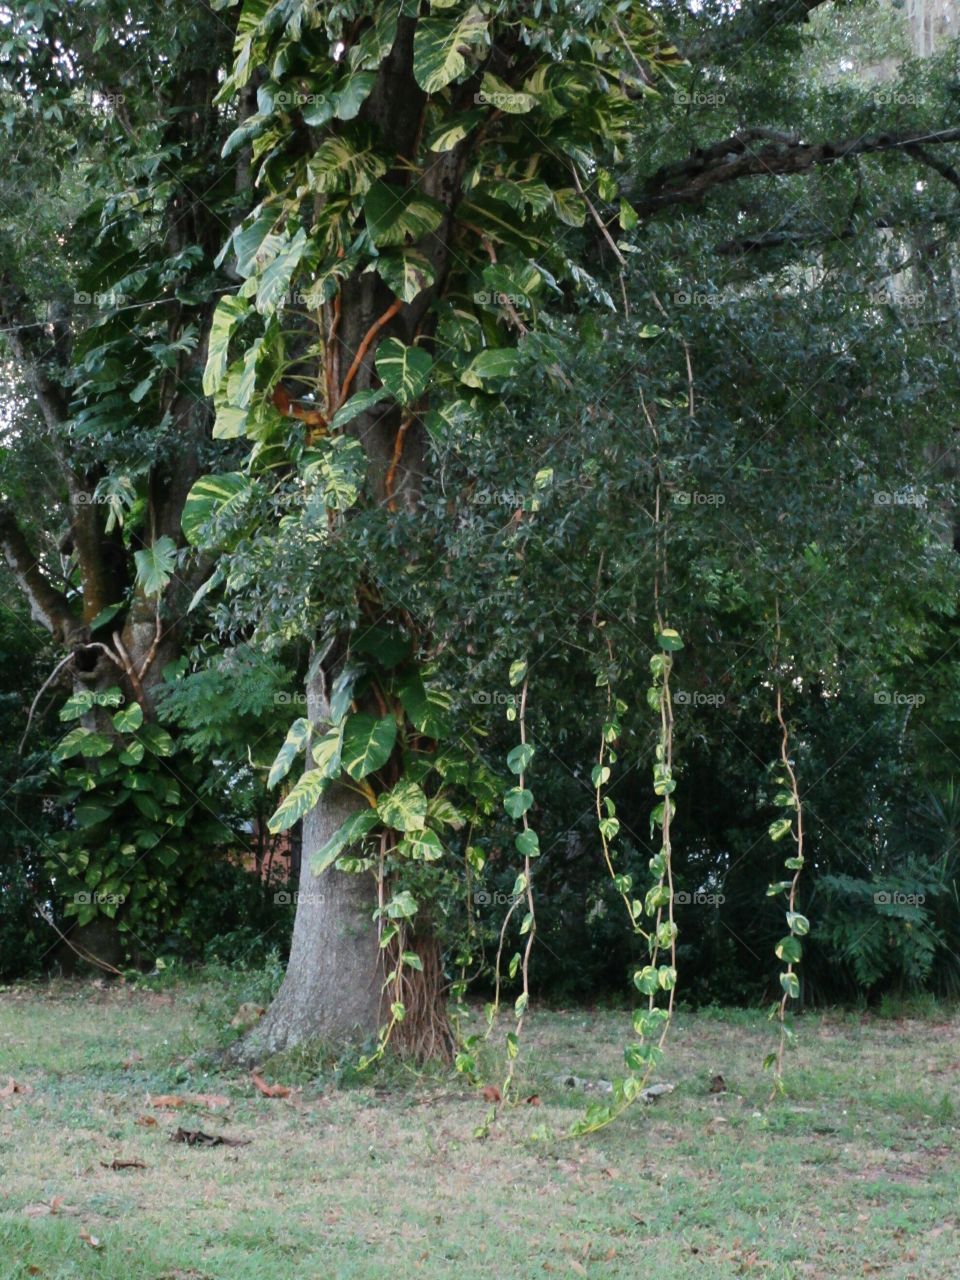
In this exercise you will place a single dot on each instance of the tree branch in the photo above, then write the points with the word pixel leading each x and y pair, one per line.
pixel 781 237
pixel 32 344
pixel 48 606
pixel 754 153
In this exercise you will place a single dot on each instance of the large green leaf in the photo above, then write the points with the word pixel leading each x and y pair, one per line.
pixel 439 47
pixel 228 314
pixel 155 565
pixel 407 273
pixel 354 829
pixel 326 752
pixel 212 496
pixel 403 370
pixel 428 709
pixel 78 704
pixel 129 719
pixel 404 807
pixel 496 93
pixel 339 471
pixel 367 743
pixel 156 740
pixel 273 284
pixel 298 735
pixel 496 363
pixel 423 846
pixel 336 165
pixel 357 404
pixel 299 800
pixel 81 742
pixel 397 216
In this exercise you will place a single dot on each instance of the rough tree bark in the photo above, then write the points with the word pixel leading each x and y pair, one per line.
pixel 331 991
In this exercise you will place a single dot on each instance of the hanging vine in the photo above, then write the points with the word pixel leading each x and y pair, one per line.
pixel 789 949
pixel 658 978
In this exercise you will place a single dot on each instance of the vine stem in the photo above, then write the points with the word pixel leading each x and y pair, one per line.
pixel 531 932
pixel 798 840
pixel 364 347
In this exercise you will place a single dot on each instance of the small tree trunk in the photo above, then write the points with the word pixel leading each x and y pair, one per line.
pixel 331 990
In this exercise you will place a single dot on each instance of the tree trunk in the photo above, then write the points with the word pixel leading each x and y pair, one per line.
pixel 331 991
pixel 332 988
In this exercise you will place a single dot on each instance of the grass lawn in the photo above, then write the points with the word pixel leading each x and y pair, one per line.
pixel 854 1173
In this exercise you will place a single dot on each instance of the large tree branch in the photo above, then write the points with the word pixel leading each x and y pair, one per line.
pixel 33 344
pixel 755 153
pixel 798 238
pixel 48 606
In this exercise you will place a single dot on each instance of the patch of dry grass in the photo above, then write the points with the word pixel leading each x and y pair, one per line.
pixel 854 1173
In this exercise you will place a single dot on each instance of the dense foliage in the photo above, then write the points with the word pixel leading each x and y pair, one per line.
pixel 649 345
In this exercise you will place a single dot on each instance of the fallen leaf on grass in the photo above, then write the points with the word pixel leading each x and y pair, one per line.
pixel 93 1241
pixel 490 1093
pixel 134 1058
pixel 269 1090
pixel 47 1208
pixel 533 1100
pixel 248 1015
pixel 718 1085
pixel 197 1138
pixel 166 1101
pixel 12 1087
pixel 123 1164
pixel 146 1121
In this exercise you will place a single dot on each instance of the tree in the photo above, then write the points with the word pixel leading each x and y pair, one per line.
pixel 424 189
pixel 107 285
pixel 418 176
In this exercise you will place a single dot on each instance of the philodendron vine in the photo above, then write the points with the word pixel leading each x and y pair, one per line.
pixel 517 803
pixel 651 918
pixel 789 949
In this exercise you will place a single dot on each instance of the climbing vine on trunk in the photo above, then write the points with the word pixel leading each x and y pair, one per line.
pixel 426 177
